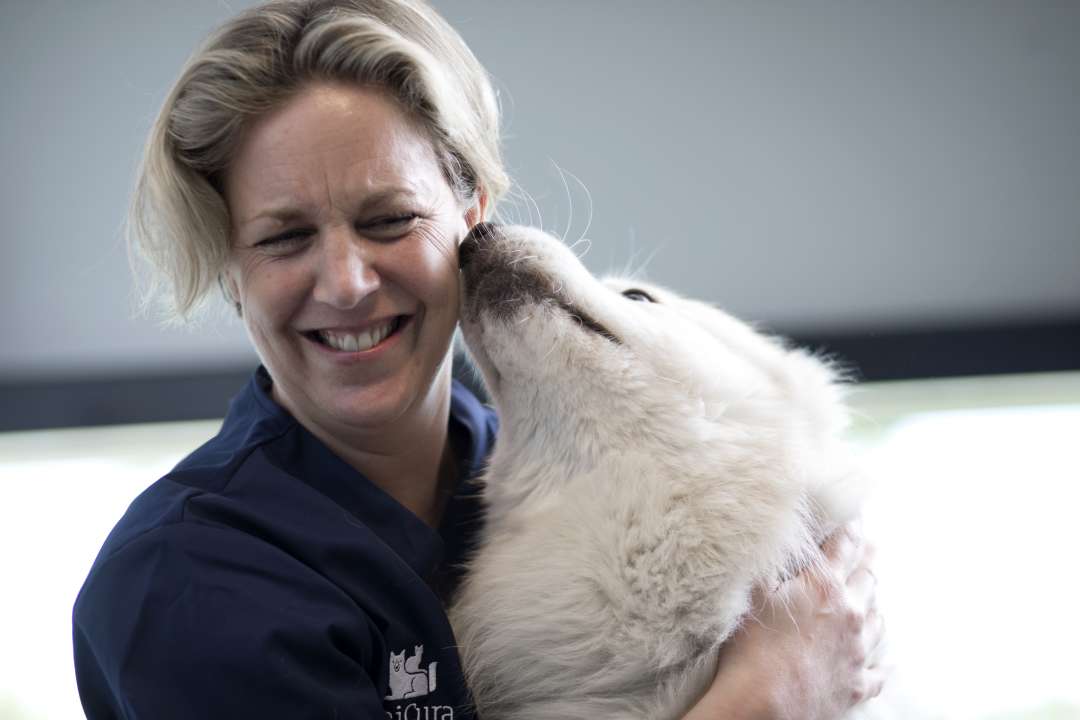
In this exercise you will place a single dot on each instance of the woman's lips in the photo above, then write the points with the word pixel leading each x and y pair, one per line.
pixel 343 342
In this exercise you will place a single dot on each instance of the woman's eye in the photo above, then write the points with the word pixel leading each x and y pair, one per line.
pixel 397 219
pixel 638 295
pixel 392 223
pixel 284 240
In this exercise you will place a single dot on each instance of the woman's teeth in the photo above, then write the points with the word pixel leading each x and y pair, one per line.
pixel 358 342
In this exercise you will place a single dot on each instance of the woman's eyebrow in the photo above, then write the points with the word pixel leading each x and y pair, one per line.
pixel 286 213
pixel 386 196
pixel 283 214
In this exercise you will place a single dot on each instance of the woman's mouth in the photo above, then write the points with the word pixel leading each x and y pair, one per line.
pixel 359 340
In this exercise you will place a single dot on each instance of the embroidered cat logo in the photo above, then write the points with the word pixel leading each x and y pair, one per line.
pixel 407 679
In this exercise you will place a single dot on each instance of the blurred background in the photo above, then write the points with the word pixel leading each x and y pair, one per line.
pixel 897 183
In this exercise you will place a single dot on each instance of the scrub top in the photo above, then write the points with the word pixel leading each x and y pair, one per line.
pixel 265 578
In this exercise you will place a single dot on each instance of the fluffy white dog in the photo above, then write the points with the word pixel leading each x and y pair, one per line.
pixel 657 459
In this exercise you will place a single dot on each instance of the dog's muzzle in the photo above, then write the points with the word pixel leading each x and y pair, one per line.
pixel 481 234
pixel 497 281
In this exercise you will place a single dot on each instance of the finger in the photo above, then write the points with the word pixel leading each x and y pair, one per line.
pixel 876 679
pixel 821 582
pixel 759 596
pixel 874 640
pixel 844 551
pixel 862 588
pixel 869 551
pixel 874 683
pixel 765 599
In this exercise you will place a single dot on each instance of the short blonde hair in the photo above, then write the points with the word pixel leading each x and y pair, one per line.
pixel 179 220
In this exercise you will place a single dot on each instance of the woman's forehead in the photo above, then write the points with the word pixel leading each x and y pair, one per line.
pixel 331 145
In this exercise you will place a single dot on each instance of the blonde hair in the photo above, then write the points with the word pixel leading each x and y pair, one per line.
pixel 179 221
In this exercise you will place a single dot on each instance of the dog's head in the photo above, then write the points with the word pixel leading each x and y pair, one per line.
pixel 578 367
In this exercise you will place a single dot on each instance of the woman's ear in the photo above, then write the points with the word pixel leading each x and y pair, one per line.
pixel 478 212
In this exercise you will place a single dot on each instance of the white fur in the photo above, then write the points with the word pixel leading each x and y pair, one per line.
pixel 637 491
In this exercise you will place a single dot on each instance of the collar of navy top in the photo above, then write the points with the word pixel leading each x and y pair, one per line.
pixel 256 413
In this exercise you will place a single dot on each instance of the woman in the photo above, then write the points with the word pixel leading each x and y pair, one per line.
pixel 321 160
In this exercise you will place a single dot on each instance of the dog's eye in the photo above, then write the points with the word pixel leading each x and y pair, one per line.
pixel 638 295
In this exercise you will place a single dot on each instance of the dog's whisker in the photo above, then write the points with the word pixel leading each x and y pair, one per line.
pixel 531 204
pixel 521 208
pixel 670 381
pixel 549 351
pixel 639 272
pixel 569 200
pixel 588 246
pixel 588 197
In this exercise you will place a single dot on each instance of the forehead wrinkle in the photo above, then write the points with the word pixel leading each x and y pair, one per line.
pixel 294 194
pixel 398 167
pixel 358 164
pixel 327 185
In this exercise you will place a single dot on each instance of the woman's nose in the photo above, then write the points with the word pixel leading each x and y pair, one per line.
pixel 346 274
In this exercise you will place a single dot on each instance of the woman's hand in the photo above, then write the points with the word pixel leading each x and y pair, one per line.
pixel 812 649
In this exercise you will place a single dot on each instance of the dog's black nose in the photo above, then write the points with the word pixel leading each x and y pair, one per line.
pixel 481 233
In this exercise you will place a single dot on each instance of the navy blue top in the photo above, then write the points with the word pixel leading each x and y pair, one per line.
pixel 265 578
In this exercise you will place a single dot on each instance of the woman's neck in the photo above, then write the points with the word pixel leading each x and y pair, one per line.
pixel 410 459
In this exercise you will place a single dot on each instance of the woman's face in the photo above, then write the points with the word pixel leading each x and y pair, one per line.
pixel 344 257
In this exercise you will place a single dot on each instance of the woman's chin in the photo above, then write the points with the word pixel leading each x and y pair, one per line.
pixel 347 404
pixel 372 408
pixel 363 409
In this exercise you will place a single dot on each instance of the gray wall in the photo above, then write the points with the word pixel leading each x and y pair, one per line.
pixel 811 165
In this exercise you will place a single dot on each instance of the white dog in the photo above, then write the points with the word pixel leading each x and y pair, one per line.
pixel 656 460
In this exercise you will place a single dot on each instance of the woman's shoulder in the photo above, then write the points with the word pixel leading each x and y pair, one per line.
pixel 166 556
pixel 162 512
pixel 185 567
pixel 163 544
pixel 188 611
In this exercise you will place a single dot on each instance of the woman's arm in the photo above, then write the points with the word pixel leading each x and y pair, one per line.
pixel 812 648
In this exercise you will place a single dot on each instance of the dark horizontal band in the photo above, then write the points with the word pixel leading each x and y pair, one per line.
pixel 885 355
pixel 912 354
